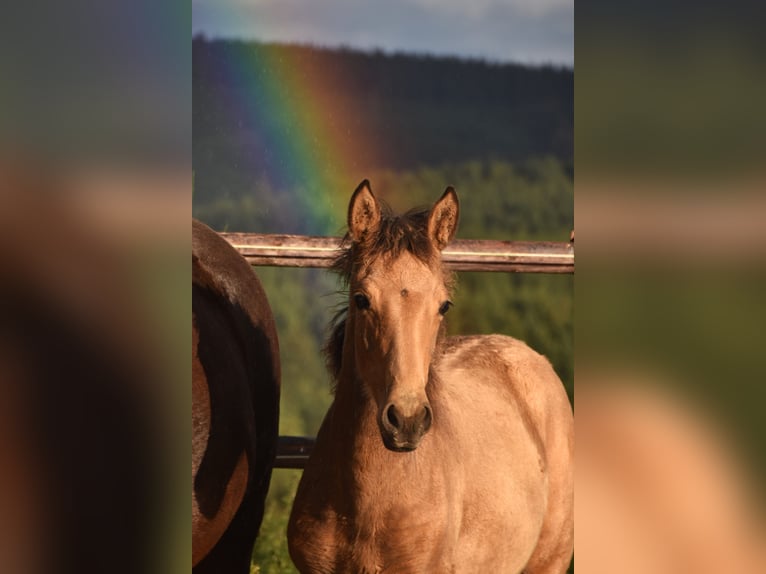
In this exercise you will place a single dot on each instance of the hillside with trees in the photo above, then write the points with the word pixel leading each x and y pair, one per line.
pixel 249 98
pixel 501 134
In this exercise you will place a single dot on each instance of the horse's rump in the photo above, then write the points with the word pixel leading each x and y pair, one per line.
pixel 235 382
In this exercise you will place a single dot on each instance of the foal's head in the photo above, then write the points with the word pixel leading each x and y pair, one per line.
pixel 398 294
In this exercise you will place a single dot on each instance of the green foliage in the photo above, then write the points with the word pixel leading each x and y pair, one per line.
pixel 533 199
pixel 302 301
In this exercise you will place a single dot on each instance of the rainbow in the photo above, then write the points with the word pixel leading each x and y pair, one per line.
pixel 302 125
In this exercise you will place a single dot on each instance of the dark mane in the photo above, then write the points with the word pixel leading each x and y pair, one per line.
pixel 395 235
pixel 333 348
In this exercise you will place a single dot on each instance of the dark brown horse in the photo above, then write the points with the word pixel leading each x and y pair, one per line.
pixel 437 455
pixel 235 404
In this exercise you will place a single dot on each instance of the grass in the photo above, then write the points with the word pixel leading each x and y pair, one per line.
pixel 270 554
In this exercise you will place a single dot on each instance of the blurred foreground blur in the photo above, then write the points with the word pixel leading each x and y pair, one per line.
pixel 658 488
pixel 671 275
pixel 95 201
pixel 92 295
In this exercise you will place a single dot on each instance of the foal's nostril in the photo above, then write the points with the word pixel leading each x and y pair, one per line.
pixel 427 418
pixel 392 416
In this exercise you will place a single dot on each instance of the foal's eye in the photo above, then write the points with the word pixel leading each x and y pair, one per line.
pixel 361 301
pixel 445 307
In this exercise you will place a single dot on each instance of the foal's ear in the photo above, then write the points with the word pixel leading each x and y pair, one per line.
pixel 442 221
pixel 363 213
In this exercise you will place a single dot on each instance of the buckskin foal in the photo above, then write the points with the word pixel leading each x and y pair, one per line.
pixel 235 404
pixel 437 455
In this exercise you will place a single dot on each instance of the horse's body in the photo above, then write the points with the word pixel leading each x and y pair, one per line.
pixel 437 455
pixel 235 404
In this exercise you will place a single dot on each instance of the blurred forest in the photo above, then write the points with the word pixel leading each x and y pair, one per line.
pixel 501 134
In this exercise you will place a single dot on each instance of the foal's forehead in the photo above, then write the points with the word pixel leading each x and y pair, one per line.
pixel 404 272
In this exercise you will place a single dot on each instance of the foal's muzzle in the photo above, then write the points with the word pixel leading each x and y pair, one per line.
pixel 403 429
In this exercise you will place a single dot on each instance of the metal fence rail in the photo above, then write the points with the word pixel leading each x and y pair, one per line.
pixel 460 255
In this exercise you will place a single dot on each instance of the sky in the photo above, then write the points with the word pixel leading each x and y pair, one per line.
pixel 527 31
